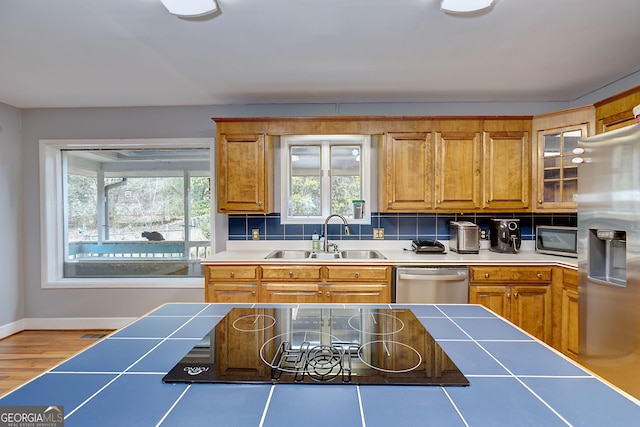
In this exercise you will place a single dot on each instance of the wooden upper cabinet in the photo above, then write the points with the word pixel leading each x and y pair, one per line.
pixel 406 172
pixel 617 111
pixel 457 174
pixel 555 175
pixel 244 173
pixel 507 164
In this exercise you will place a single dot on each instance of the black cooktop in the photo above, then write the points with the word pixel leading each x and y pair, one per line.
pixel 319 346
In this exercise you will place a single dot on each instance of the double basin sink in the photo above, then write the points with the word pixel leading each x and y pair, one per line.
pixel 350 254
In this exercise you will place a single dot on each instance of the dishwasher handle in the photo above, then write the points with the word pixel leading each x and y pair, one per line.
pixel 433 277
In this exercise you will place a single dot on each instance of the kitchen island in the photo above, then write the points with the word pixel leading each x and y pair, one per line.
pixel 515 380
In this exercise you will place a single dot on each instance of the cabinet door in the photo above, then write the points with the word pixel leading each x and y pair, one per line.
pixel 285 293
pixel 569 320
pixel 557 174
pixel 531 310
pixel 356 293
pixel 232 292
pixel 506 176
pixel 495 298
pixel 457 176
pixel 406 172
pixel 242 173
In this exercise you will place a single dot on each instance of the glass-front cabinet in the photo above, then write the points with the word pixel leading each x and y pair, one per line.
pixel 557 173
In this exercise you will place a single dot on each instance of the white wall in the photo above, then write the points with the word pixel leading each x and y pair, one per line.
pixel 11 289
pixel 150 122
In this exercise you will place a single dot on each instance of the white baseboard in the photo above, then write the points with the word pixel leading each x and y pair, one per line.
pixel 11 328
pixel 67 323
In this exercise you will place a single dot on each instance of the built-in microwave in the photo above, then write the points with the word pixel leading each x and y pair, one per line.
pixel 556 240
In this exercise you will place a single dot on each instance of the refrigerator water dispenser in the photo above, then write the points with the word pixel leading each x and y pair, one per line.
pixel 608 256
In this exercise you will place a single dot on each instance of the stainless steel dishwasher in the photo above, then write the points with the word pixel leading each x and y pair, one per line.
pixel 431 285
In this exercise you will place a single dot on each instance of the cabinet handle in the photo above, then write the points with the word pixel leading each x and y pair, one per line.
pixel 439 201
pixel 540 201
pixel 328 293
pixel 357 274
pixel 291 274
pixel 319 293
pixel 486 275
pixel 488 201
pixel 259 203
pixel 508 294
pixel 515 294
pixel 390 202
pixel 539 276
pixel 232 274
pixel 253 292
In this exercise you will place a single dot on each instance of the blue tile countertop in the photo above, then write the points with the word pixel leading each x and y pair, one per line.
pixel 515 380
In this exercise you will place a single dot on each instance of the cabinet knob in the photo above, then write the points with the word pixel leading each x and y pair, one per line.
pixel 540 201
pixel 328 293
pixel 488 201
pixel 232 274
pixel 539 276
pixel 291 274
pixel 259 203
pixel 319 293
pixel 486 275
pixel 253 292
pixel 357 274
pixel 439 201
pixel 390 202
pixel 515 294
pixel 508 294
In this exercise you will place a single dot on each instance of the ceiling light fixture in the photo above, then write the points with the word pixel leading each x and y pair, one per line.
pixel 190 8
pixel 465 6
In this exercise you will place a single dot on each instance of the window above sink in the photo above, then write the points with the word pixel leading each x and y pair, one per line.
pixel 322 174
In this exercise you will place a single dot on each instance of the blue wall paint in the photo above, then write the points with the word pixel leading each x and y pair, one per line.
pixel 405 226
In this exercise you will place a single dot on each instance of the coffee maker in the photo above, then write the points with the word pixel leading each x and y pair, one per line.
pixel 505 236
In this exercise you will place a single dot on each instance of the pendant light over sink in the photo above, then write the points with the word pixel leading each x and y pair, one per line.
pixel 465 6
pixel 190 8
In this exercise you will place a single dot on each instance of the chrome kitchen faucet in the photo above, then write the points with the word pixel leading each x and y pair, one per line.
pixel 326 234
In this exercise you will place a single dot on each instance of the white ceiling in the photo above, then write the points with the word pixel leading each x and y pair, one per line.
pixel 101 53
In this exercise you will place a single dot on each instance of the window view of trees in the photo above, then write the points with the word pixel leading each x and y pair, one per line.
pixel 324 176
pixel 135 206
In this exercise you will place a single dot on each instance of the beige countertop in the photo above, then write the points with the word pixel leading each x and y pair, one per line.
pixel 395 252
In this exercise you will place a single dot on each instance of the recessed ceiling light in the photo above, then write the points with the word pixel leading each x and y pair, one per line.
pixel 465 6
pixel 190 8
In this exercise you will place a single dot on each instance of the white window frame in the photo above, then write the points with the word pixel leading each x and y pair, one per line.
pixel 52 212
pixel 285 175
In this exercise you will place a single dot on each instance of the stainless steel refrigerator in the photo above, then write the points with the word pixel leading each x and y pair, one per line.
pixel 609 256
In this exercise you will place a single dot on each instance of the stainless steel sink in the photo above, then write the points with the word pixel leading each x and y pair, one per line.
pixel 350 254
pixel 325 255
pixel 362 254
pixel 288 254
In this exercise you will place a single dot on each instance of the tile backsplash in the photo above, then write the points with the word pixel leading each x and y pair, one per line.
pixel 404 226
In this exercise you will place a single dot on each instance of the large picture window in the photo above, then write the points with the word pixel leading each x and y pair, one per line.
pixel 138 211
pixel 322 175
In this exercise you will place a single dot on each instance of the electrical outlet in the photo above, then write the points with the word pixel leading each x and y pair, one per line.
pixel 378 233
pixel 255 234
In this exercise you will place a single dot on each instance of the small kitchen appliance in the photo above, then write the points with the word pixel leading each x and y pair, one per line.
pixel 505 235
pixel 313 345
pixel 427 247
pixel 465 237
pixel 557 240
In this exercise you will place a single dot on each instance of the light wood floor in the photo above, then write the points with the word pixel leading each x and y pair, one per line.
pixel 27 354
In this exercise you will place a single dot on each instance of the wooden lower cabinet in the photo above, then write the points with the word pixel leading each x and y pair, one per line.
pixel 521 294
pixel 231 283
pixel 311 283
pixel 569 314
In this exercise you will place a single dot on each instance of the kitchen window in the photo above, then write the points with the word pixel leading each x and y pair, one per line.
pixel 138 211
pixel 322 175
